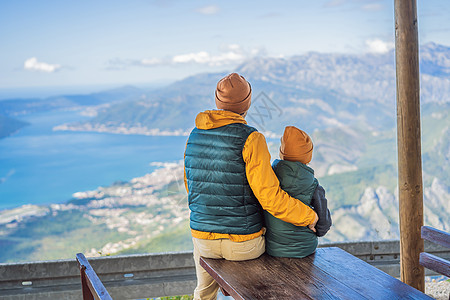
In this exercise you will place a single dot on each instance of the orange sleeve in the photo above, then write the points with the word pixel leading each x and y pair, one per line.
pixel 185 181
pixel 184 169
pixel 266 187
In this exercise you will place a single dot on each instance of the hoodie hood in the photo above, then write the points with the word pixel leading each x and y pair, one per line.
pixel 217 118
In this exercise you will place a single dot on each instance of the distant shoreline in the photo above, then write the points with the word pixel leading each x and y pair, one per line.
pixel 25 211
pixel 140 130
pixel 10 126
pixel 52 165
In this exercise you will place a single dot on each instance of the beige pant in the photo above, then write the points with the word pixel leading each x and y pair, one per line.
pixel 207 287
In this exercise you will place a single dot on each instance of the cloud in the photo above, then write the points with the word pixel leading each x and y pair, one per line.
pixel 373 7
pixel 228 55
pixel 334 3
pixel 201 57
pixel 208 10
pixel 32 64
pixel 232 54
pixel 151 61
pixel 378 46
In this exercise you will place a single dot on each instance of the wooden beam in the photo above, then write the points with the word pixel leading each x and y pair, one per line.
pixel 435 263
pixel 409 144
pixel 91 286
pixel 436 236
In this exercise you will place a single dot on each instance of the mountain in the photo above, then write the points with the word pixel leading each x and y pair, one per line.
pixel 91 103
pixel 435 60
pixel 19 106
pixel 169 109
pixel 9 126
pixel 314 91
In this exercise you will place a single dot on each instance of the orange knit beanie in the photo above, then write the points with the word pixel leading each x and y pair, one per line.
pixel 296 145
pixel 233 93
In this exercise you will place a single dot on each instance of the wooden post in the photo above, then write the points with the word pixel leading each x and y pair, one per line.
pixel 409 144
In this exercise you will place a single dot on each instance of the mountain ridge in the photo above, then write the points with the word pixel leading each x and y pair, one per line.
pixel 337 88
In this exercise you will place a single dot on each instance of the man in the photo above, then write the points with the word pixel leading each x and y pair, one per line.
pixel 229 180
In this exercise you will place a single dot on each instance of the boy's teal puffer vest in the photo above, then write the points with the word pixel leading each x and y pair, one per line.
pixel 220 198
pixel 285 239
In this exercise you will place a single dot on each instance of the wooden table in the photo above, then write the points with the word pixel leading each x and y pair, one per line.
pixel 330 273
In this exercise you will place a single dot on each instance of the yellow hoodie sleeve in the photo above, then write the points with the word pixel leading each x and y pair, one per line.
pixel 184 169
pixel 185 181
pixel 266 187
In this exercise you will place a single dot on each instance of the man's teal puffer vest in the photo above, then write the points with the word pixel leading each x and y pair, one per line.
pixel 220 198
pixel 285 239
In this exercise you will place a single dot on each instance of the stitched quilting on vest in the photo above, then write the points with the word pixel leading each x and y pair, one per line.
pixel 284 239
pixel 220 198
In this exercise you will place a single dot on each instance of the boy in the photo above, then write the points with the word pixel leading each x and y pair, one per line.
pixel 297 179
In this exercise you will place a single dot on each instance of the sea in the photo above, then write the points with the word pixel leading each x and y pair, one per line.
pixel 41 166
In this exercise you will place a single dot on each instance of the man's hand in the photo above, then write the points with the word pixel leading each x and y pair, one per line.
pixel 313 225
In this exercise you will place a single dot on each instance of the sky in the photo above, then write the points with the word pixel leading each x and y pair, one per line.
pixel 51 43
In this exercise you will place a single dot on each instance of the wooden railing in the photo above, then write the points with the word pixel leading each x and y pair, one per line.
pixel 125 277
pixel 433 262
pixel 91 286
pixel 155 275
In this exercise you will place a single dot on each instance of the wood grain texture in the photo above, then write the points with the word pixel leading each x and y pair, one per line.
pixel 330 273
pixel 409 142
pixel 436 236
pixel 92 287
pixel 435 263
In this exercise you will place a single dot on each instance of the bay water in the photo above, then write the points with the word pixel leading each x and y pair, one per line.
pixel 42 166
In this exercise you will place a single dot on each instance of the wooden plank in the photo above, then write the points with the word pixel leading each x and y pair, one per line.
pixel 91 284
pixel 409 143
pixel 435 263
pixel 276 278
pixel 330 273
pixel 226 283
pixel 436 236
pixel 85 288
pixel 359 275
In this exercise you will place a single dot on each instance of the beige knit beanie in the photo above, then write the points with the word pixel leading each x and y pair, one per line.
pixel 233 93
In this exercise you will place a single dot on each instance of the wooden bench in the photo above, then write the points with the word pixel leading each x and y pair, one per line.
pixel 330 273
pixel 431 261
pixel 91 285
